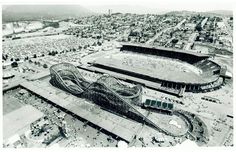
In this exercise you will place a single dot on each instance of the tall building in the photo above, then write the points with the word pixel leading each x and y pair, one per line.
pixel 109 12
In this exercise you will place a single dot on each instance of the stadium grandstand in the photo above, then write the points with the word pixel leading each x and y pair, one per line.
pixel 170 71
pixel 159 105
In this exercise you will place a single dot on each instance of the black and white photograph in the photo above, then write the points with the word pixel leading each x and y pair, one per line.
pixel 125 74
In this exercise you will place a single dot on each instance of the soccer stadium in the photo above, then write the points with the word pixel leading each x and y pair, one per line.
pixel 171 71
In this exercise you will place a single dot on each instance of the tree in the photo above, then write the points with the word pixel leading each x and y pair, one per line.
pixel 198 27
pixel 175 40
pixel 199 123
pixel 35 56
pixel 210 39
pixel 4 57
pixel 14 64
pixel 45 66
pixel 53 53
pixel 27 58
pixel 99 43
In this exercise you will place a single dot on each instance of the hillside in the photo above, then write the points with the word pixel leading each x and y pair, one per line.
pixel 35 12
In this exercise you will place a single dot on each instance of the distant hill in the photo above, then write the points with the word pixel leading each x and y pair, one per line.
pixel 34 12
pixel 207 13
pixel 184 12
pixel 222 12
pixel 123 8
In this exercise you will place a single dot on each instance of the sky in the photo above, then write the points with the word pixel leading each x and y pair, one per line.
pixel 193 5
pixel 162 5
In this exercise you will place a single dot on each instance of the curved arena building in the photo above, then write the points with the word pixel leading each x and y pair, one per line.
pixel 67 77
pixel 170 70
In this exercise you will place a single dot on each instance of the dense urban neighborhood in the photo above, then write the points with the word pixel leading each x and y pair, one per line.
pixel 118 79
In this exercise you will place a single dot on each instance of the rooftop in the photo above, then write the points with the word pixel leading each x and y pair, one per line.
pixel 167 49
pixel 18 121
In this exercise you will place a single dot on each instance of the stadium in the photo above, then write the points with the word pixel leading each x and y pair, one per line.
pixel 171 71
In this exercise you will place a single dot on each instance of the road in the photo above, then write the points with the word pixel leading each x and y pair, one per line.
pixel 163 31
pixel 157 35
pixel 228 28
pixel 190 41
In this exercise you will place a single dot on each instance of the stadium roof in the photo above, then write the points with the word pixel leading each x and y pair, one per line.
pixel 166 49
